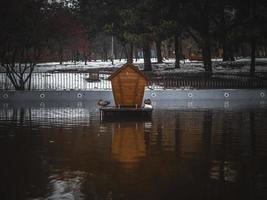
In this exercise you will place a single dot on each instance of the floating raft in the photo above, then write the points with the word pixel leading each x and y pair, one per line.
pixel 125 113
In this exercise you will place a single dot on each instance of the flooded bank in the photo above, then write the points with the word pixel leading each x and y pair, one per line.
pixel 185 151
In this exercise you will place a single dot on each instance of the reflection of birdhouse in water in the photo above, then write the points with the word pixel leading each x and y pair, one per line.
pixel 128 145
pixel 128 86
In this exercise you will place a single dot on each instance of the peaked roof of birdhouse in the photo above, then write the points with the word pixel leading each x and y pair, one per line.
pixel 135 68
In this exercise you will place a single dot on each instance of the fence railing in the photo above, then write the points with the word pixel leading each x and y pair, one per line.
pixel 205 81
pixel 94 81
pixel 62 81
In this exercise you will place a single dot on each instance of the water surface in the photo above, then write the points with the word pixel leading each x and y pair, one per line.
pixel 65 152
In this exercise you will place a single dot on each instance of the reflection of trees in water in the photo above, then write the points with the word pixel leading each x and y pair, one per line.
pixel 208 149
pixel 185 154
pixel 29 154
pixel 24 169
pixel 15 116
pixel 235 163
pixel 50 116
pixel 217 160
pixel 193 132
pixel 252 172
pixel 253 180
pixel 189 134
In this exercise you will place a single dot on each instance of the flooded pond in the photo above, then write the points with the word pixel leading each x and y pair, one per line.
pixel 52 152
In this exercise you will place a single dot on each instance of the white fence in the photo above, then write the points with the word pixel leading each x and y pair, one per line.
pixel 62 81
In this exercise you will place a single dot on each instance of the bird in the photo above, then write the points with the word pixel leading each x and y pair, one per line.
pixel 103 103
pixel 148 103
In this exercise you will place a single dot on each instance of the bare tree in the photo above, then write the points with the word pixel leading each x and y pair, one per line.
pixel 22 36
pixel 19 66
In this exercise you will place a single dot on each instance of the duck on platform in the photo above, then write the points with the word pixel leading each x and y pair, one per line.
pixel 103 103
pixel 148 103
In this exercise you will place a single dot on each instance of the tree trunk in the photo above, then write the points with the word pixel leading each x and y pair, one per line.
pixel 136 54
pixel 227 50
pixel 225 57
pixel 121 53
pixel 159 55
pixel 60 55
pixel 253 56
pixel 30 83
pixel 205 33
pixel 130 54
pixel 177 52
pixel 169 51
pixel 76 55
pixel 85 58
pixel 253 39
pixel 147 56
pixel 21 85
pixel 105 55
pixel 227 53
pixel 206 54
pixel 89 57
pixel 115 51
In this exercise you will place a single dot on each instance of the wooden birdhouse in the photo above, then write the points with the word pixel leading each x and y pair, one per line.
pixel 128 86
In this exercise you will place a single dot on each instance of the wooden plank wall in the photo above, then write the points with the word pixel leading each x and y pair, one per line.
pixel 128 88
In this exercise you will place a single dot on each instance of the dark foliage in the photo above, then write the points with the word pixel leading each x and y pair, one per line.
pixel 22 36
pixel 70 29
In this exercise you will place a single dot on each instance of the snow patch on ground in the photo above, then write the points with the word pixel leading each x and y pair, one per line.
pixel 187 66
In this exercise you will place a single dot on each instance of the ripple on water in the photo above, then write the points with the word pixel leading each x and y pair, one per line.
pixel 67 153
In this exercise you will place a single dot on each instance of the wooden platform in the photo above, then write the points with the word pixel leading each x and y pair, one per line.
pixel 125 113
